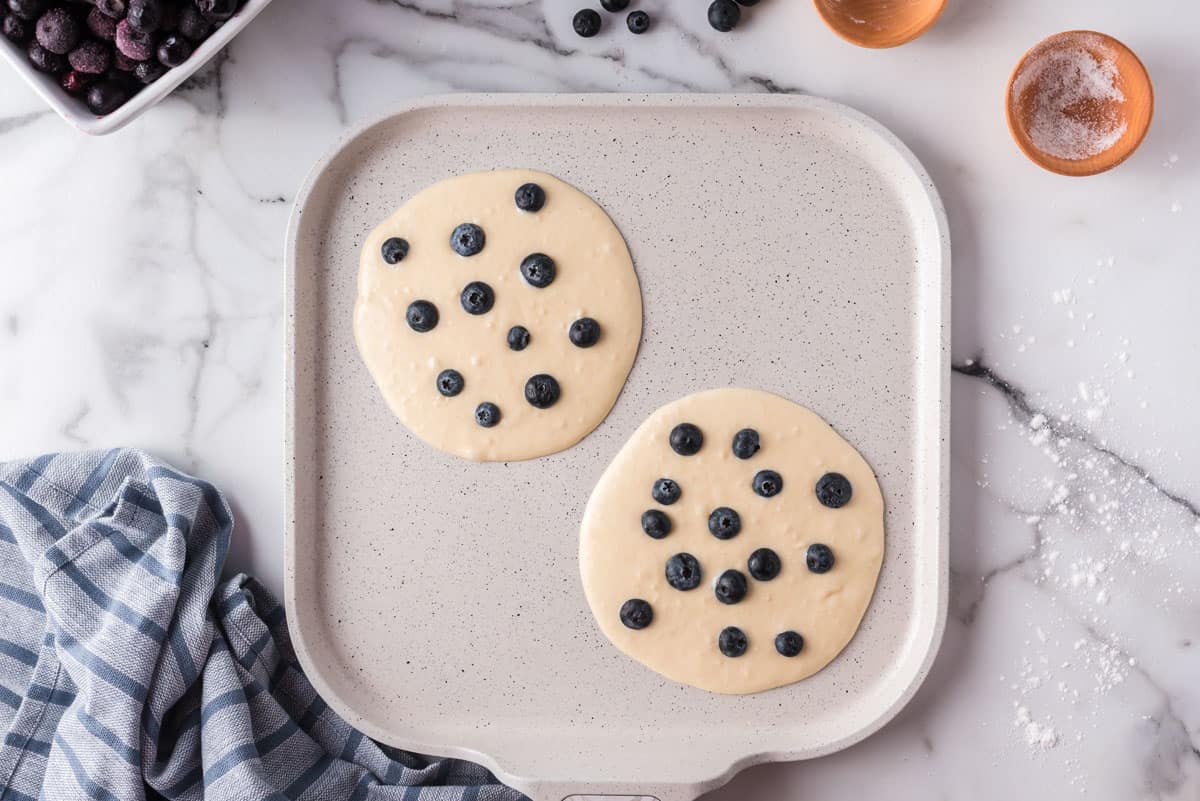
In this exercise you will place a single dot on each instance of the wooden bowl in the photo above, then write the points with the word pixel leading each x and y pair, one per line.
pixel 879 23
pixel 1079 103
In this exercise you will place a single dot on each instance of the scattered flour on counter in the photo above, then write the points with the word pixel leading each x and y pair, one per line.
pixel 1038 736
pixel 1072 99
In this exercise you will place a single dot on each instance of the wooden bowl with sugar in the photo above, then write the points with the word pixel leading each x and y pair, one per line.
pixel 879 23
pixel 1079 103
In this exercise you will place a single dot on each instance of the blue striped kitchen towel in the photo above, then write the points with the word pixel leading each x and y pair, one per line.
pixel 129 670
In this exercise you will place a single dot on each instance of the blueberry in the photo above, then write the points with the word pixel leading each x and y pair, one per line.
pixel 819 558
pixel 477 298
pixel 91 57
pixel 192 23
pixel 16 29
pixel 730 587
pixel 656 524
pixel 394 250
pixel 538 270
pixel 764 564
pixel 106 97
pixel 518 337
pixel 789 643
pixel 683 571
pixel 584 332
pixel 636 614
pixel 542 391
pixel 732 641
pixel 148 71
pixel 745 443
pixel 834 490
pixel 530 197
pixel 768 483
pixel 467 239
pixel 638 22
pixel 450 383
pixel 101 25
pixel 666 491
pixel 145 15
pixel 28 10
pixel 723 15
pixel 137 45
pixel 747 2
pixel 487 414
pixel 724 523
pixel 75 82
pixel 217 10
pixel 45 61
pixel 422 316
pixel 686 439
pixel 586 23
pixel 57 31
pixel 112 8
pixel 173 50
pixel 614 5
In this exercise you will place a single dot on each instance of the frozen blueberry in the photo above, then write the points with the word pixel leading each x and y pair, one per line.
pixel 723 15
pixel 730 587
pixel 656 524
pixel 745 443
pixel 145 15
pixel 487 414
pixel 683 571
pixel 106 97
pixel 192 23
pixel 467 239
pixel 636 613
pixel 666 491
pixel 28 10
pixel 138 45
pixel 586 23
pixel 789 643
pixel 764 564
pixel 57 31
pixel 45 61
pixel 538 270
pixel 614 5
pixel 518 337
pixel 173 50
pixel 724 523
pixel 767 483
pixel 123 63
pixel 530 197
pixel 148 71
pixel 450 383
pixel 112 8
pixel 217 10
pixel 732 641
pixel 422 316
pixel 819 558
pixel 834 490
pixel 101 25
pixel 686 439
pixel 16 29
pixel 584 332
pixel 477 298
pixel 75 82
pixel 394 250
pixel 638 22
pixel 747 2
pixel 542 391
pixel 91 57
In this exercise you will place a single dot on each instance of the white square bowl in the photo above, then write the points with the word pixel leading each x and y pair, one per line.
pixel 74 111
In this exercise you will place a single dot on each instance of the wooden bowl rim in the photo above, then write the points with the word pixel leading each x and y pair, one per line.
pixel 821 7
pixel 1101 162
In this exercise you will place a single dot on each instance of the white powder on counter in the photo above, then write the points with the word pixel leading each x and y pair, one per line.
pixel 1072 99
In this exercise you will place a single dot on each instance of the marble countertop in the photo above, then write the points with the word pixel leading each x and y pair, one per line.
pixel 143 305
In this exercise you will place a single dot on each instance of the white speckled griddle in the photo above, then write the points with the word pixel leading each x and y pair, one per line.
pixel 785 243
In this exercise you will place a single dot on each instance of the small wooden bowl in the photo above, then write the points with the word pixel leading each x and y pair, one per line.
pixel 1090 135
pixel 879 23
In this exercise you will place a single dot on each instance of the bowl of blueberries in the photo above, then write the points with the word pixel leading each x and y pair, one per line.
pixel 101 63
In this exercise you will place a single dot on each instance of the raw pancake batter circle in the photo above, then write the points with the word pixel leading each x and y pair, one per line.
pixel 774 540
pixel 499 314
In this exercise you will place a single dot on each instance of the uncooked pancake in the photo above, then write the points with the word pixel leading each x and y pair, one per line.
pixel 734 542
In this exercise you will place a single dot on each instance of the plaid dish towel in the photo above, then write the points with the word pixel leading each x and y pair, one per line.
pixel 128 670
